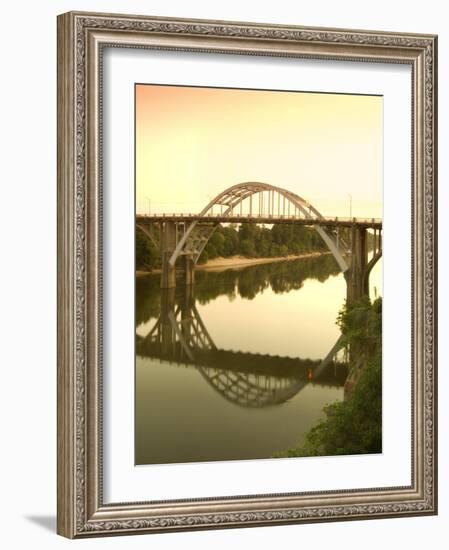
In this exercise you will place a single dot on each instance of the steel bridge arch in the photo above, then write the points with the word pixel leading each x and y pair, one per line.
pixel 196 236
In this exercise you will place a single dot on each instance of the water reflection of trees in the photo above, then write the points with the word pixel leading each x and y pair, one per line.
pixel 246 283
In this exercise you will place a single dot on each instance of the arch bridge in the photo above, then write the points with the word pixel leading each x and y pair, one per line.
pixel 181 238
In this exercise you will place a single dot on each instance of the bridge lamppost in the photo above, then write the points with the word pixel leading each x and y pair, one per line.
pixel 149 205
pixel 350 206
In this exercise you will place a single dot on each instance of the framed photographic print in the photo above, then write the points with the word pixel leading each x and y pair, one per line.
pixel 246 274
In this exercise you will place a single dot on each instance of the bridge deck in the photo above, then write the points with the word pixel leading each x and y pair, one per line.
pixel 369 223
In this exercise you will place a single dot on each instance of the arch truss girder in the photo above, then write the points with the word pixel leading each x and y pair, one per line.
pixel 197 239
pixel 260 200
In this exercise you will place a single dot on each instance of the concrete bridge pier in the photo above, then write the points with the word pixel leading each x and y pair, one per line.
pixel 357 276
pixel 168 245
pixel 188 270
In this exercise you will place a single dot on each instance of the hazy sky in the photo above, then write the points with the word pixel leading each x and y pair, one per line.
pixel 192 143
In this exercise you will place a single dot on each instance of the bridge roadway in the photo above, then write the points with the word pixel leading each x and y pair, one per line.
pixel 365 223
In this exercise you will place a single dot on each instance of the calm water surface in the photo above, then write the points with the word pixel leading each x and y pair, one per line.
pixel 240 365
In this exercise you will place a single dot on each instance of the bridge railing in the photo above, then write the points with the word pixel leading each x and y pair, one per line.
pixel 324 219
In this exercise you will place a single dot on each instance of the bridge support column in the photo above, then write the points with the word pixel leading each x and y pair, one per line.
pixel 168 244
pixel 357 275
pixel 189 270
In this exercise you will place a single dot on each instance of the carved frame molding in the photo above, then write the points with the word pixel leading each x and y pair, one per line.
pixel 81 39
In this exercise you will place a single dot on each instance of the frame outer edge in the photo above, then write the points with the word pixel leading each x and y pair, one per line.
pixel 434 296
pixel 66 287
pixel 77 428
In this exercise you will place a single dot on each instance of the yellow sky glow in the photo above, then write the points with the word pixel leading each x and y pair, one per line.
pixel 192 143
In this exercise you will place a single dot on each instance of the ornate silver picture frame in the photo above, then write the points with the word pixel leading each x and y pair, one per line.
pixel 82 509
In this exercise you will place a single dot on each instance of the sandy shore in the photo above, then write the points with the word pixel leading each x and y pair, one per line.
pixel 239 262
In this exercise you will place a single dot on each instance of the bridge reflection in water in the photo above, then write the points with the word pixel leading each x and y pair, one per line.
pixel 180 337
pixel 221 367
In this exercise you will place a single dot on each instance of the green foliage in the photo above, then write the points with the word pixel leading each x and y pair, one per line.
pixel 283 250
pixel 147 256
pixel 353 426
pixel 204 257
pixel 212 251
pixel 247 248
pixel 255 241
pixel 361 327
pixel 249 240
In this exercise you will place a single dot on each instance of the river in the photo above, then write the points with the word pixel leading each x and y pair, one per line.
pixel 239 365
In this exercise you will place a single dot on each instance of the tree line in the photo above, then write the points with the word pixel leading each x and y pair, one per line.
pixel 248 240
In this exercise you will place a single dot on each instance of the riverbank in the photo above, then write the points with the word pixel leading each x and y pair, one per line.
pixel 240 262
pixel 352 426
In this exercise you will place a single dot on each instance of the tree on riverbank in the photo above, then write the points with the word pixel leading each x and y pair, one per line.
pixel 256 241
pixel 147 255
pixel 353 426
pixel 248 240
